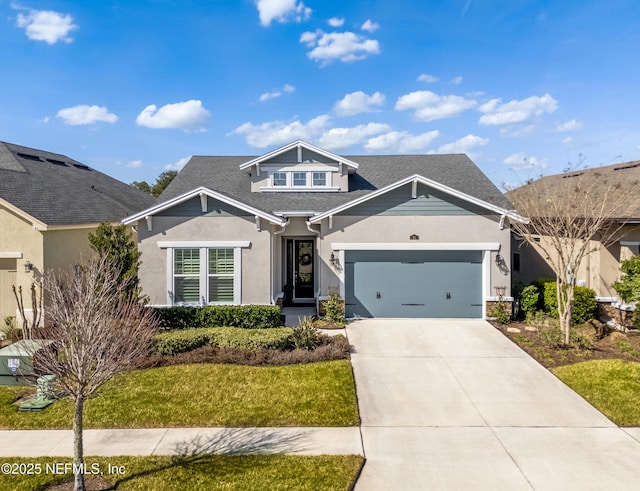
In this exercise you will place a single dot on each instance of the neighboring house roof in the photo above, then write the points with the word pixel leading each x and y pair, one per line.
pixel 54 189
pixel 617 180
pixel 223 175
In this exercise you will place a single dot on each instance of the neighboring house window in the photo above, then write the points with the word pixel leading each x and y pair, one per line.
pixel 319 179
pixel 299 178
pixel 516 261
pixel 279 179
pixel 186 275
pixel 221 275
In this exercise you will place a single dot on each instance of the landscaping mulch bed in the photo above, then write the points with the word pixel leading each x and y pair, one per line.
pixel 330 348
pixel 612 345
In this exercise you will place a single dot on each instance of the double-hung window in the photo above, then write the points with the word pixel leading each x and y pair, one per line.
pixel 221 275
pixel 186 275
pixel 204 272
pixel 299 178
pixel 279 179
pixel 319 179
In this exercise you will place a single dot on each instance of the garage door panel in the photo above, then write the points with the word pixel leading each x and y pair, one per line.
pixel 413 283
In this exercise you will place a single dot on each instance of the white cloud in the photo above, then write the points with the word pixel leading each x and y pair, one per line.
pixel 358 102
pixel 134 164
pixel 279 132
pixel 337 139
pixel 277 93
pixel 516 111
pixel 519 161
pixel 401 142
pixel 336 21
pixel 430 79
pixel 569 126
pixel 178 165
pixel 569 140
pixel 188 116
pixel 46 25
pixel 343 46
pixel 282 11
pixel 457 80
pixel 370 26
pixel 464 145
pixel 429 106
pixel 84 114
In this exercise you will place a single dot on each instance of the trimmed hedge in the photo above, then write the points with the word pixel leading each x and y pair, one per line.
pixel 182 341
pixel 244 316
pixel 585 305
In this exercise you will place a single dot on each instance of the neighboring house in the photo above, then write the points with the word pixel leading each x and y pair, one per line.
pixel 398 235
pixel 48 205
pixel 600 269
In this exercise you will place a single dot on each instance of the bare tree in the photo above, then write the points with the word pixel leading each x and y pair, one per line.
pixel 29 323
pixel 571 216
pixel 97 332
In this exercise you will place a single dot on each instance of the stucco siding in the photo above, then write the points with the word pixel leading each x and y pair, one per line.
pixel 256 259
pixel 64 248
pixel 18 236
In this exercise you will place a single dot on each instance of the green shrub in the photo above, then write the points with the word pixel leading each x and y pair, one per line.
pixel 236 337
pixel 501 312
pixel 334 307
pixel 305 335
pixel 585 305
pixel 628 288
pixel 540 283
pixel 245 316
pixel 184 340
pixel 552 336
pixel 180 341
pixel 529 300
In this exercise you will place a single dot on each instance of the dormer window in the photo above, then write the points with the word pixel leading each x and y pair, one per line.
pixel 319 179
pixel 300 178
pixel 279 179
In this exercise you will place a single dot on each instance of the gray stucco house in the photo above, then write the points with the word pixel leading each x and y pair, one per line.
pixel 398 235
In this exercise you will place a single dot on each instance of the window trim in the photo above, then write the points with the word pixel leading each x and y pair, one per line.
pixel 204 246
pixel 308 184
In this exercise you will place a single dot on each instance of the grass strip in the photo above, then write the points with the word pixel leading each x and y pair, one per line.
pixel 611 386
pixel 205 395
pixel 211 472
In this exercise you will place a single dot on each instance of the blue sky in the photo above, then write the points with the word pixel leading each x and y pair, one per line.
pixel 133 88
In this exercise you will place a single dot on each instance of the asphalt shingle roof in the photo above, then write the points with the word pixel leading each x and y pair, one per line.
pixel 624 177
pixel 58 190
pixel 222 174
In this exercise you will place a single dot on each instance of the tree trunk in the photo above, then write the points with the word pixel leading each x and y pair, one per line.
pixel 78 450
pixel 565 308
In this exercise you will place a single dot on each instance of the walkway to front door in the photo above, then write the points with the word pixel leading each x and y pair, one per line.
pixel 453 404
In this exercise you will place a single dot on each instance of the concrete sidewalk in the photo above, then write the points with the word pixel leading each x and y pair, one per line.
pixel 183 441
pixel 453 404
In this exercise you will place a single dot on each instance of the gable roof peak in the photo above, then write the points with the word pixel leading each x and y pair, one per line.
pixel 300 145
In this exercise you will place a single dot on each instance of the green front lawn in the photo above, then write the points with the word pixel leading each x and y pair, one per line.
pixel 246 472
pixel 611 386
pixel 315 394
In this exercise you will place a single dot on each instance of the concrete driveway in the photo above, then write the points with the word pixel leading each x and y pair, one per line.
pixel 453 404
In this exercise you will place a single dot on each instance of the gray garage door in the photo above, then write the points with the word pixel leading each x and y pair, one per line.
pixel 413 284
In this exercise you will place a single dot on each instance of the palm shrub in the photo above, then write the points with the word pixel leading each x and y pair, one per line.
pixel 334 307
pixel 305 335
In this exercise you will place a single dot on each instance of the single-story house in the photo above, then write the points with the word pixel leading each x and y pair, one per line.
pixel 48 205
pixel 397 235
pixel 601 268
